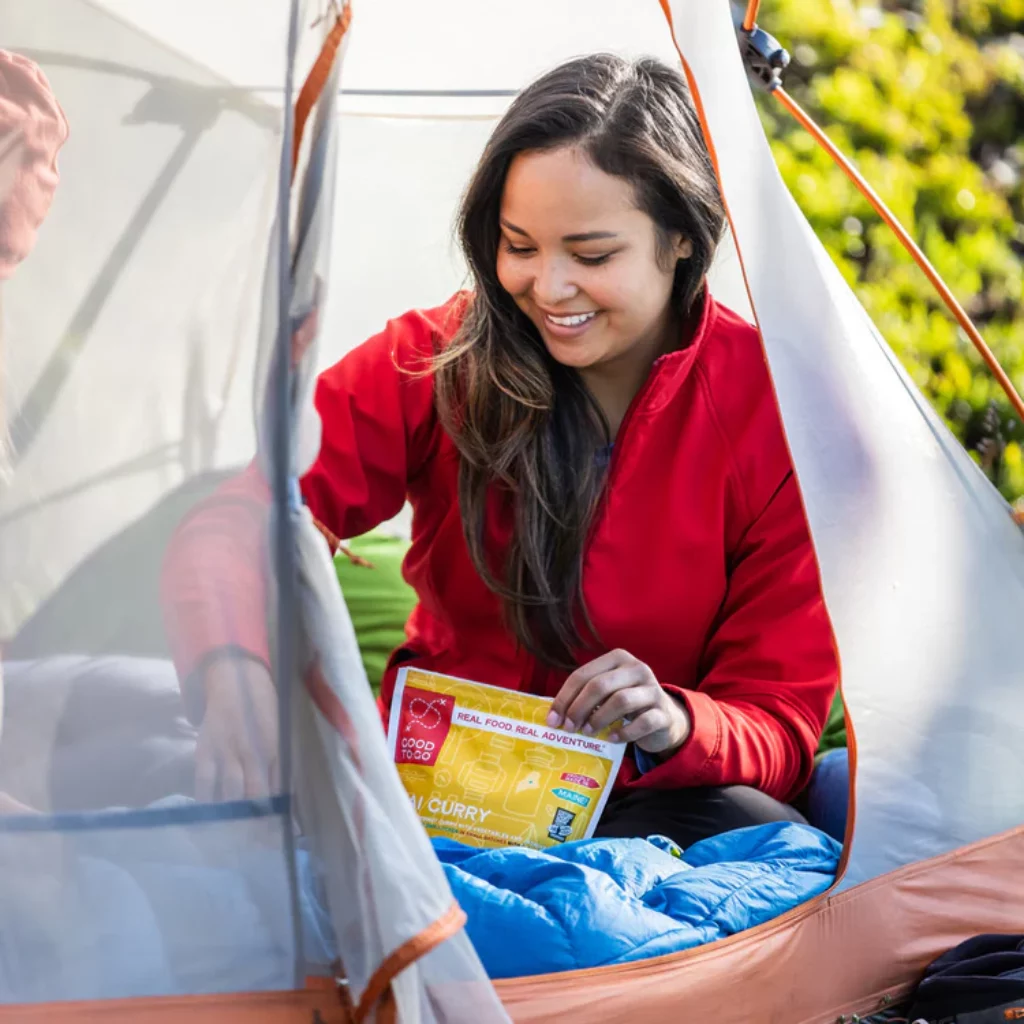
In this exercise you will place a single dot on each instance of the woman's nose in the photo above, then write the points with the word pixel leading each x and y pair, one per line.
pixel 553 283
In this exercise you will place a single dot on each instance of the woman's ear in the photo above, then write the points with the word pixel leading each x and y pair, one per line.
pixel 684 248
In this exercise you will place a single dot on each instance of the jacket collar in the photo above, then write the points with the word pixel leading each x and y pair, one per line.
pixel 670 371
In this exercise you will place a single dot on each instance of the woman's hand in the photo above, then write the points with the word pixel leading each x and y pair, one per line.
pixel 615 686
pixel 237 752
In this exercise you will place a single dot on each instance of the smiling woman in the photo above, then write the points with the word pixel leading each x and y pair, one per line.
pixel 600 299
pixel 589 225
pixel 604 508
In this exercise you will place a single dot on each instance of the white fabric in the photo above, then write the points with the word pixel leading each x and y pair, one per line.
pixel 922 567
pixel 128 331
pixel 384 885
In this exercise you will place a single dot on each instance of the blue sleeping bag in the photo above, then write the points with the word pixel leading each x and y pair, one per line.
pixel 609 901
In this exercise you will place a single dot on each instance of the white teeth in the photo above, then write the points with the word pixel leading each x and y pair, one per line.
pixel 571 321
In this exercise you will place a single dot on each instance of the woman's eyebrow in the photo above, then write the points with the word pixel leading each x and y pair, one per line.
pixel 589 236
pixel 586 236
pixel 509 226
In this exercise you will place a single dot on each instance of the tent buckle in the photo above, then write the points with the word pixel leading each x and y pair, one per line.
pixel 764 57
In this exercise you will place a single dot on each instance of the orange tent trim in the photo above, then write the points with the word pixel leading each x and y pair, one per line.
pixel 313 87
pixel 318 1003
pixel 378 991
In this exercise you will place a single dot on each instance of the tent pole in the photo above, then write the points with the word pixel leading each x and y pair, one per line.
pixel 908 243
pixel 750 18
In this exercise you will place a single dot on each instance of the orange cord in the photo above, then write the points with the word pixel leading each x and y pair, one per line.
pixel 378 988
pixel 313 87
pixel 750 18
pixel 909 244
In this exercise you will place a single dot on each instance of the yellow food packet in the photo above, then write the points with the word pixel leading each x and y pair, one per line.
pixel 481 764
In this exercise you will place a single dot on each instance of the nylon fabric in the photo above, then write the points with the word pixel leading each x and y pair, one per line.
pixel 601 902
pixel 924 667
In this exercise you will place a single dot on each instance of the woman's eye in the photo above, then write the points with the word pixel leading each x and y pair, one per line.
pixel 594 261
pixel 513 250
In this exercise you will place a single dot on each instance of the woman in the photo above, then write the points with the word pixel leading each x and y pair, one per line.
pixel 605 511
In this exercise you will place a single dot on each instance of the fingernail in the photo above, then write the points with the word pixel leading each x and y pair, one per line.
pixel 613 737
pixel 588 729
pixel 569 725
pixel 553 719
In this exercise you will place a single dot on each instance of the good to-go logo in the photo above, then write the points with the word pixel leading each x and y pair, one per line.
pixel 423 727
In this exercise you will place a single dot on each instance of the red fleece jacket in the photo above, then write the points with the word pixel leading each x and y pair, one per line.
pixel 699 564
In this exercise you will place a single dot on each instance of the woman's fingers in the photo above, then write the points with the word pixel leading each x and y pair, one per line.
pixel 256 774
pixel 237 771
pixel 257 742
pixel 632 701
pixel 232 780
pixel 559 716
pixel 652 721
pixel 237 753
pixel 599 690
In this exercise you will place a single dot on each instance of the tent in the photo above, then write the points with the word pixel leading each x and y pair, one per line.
pixel 192 276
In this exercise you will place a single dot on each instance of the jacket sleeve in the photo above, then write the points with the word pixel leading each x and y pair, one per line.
pixel 770 668
pixel 378 426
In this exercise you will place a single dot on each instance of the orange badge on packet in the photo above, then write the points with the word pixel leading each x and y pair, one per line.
pixel 482 766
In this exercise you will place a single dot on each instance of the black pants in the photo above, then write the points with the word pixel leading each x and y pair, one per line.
pixel 688 815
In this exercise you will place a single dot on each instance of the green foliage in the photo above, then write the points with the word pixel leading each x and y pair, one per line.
pixel 927 98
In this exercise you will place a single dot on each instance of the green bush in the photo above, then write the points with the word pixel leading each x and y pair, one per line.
pixel 927 98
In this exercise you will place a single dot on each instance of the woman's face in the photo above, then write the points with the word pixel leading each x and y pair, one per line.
pixel 581 261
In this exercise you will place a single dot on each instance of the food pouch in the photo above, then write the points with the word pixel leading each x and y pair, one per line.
pixel 482 766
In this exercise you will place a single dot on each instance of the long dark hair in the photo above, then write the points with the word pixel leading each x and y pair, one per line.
pixel 526 427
